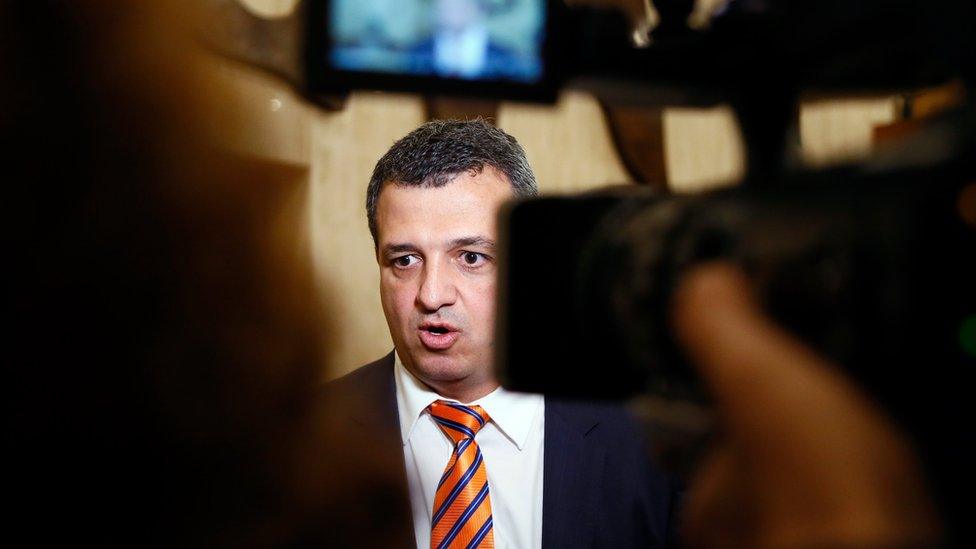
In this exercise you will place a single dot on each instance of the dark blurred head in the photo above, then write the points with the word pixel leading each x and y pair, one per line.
pixel 167 350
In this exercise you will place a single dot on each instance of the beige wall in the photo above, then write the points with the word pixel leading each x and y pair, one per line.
pixel 567 144
pixel 841 130
pixel 702 148
pixel 345 146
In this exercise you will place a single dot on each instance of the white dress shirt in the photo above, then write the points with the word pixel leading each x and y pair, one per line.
pixel 512 444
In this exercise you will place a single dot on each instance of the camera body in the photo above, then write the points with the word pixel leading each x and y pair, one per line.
pixel 875 271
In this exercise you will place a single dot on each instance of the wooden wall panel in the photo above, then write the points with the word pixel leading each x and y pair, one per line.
pixel 345 147
pixel 702 148
pixel 568 145
pixel 841 130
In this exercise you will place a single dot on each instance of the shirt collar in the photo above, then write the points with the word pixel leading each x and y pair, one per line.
pixel 513 413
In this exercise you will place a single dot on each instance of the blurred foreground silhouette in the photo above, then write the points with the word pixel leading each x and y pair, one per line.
pixel 165 348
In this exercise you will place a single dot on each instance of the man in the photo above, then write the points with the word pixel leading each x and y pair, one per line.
pixel 484 466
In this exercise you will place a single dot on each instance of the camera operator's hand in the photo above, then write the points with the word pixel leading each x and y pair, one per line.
pixel 803 458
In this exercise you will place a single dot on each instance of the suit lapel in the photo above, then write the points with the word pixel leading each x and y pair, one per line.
pixel 572 470
pixel 379 411
pixel 378 419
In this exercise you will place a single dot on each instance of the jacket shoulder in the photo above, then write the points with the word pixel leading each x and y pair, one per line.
pixel 367 395
pixel 376 374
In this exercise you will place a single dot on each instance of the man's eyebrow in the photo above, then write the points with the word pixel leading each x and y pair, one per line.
pixel 473 241
pixel 398 248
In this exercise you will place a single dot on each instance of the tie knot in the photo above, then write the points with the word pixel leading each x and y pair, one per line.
pixel 458 421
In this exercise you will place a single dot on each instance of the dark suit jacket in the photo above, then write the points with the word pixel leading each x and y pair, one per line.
pixel 599 488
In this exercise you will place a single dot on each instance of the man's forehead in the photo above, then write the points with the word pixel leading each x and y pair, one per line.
pixel 441 202
pixel 466 190
pixel 436 216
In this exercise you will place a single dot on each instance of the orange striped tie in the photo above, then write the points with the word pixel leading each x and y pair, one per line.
pixel 462 507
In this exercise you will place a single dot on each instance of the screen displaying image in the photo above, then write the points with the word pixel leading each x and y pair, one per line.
pixel 463 39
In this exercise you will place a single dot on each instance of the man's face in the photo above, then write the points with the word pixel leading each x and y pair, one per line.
pixel 436 252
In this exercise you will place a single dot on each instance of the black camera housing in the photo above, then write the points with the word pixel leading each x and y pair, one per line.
pixel 874 271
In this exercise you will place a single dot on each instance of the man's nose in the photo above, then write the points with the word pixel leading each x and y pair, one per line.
pixel 437 289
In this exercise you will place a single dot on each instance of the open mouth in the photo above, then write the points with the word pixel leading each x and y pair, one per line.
pixel 438 337
pixel 438 328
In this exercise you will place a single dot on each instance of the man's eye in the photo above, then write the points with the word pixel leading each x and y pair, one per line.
pixel 473 259
pixel 405 261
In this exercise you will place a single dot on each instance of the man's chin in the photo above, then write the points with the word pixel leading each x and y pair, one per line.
pixel 442 367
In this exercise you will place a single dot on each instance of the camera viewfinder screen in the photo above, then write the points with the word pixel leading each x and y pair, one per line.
pixel 491 40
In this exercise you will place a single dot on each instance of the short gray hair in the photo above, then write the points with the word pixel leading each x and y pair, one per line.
pixel 440 150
